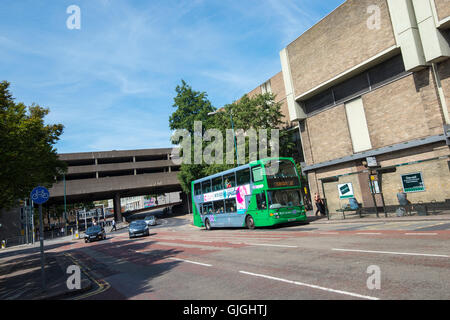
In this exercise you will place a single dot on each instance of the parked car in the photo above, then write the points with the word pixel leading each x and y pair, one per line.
pixel 150 220
pixel 94 233
pixel 138 228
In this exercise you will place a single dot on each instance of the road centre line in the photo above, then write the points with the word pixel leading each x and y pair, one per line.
pixel 395 253
pixel 310 286
pixel 420 234
pixel 193 262
pixel 370 233
pixel 268 245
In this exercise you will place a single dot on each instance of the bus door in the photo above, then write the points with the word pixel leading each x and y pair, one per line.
pixel 220 216
pixel 231 213
pixel 258 206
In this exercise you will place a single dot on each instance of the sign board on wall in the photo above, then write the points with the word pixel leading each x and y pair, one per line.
pixel 372 162
pixel 345 191
pixel 413 182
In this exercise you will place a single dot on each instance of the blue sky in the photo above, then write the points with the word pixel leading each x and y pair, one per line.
pixel 112 83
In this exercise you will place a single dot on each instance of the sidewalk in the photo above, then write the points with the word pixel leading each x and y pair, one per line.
pixel 352 217
pixel 20 277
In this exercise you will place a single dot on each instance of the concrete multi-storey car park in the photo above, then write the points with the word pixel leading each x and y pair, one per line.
pixel 372 79
pixel 116 174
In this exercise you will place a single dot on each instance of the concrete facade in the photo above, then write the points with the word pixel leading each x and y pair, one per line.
pixel 115 174
pixel 373 79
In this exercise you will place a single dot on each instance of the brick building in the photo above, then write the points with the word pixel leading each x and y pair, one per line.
pixel 368 88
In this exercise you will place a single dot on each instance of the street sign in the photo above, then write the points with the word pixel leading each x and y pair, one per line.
pixel 40 195
pixel 372 162
pixel 345 191
pixel 413 182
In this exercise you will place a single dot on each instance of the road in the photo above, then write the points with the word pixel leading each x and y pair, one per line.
pixel 179 261
pixel 313 262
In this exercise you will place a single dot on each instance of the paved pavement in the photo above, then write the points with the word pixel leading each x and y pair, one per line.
pixel 316 261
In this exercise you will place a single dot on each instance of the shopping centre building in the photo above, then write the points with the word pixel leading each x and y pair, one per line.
pixel 368 88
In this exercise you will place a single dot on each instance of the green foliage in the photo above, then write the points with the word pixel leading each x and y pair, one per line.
pixel 258 112
pixel 27 156
pixel 191 106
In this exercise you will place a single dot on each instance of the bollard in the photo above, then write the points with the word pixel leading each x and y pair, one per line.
pixel 3 244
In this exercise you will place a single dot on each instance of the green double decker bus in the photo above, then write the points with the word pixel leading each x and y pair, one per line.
pixel 259 194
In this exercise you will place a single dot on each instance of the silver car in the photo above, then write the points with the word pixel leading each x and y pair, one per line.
pixel 138 228
pixel 150 220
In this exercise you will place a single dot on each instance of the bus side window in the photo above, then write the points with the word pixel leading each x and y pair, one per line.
pixel 230 205
pixel 219 207
pixel 206 186
pixel 243 177
pixel 257 174
pixel 197 189
pixel 217 184
pixel 229 181
pixel 261 201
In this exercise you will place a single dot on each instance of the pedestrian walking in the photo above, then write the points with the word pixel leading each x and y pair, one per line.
pixel 113 225
pixel 318 203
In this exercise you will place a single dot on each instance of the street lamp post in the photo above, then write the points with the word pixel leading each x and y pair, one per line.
pixel 60 171
pixel 65 206
pixel 234 134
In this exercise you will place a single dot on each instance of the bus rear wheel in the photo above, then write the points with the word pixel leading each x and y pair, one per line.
pixel 250 223
pixel 207 224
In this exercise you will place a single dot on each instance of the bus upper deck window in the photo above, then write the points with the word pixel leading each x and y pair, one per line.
pixel 243 177
pixel 217 184
pixel 206 186
pixel 229 181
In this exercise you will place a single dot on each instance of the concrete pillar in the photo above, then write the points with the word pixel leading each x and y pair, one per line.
pixel 117 208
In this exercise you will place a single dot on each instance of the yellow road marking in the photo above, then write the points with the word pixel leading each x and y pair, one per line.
pixel 102 284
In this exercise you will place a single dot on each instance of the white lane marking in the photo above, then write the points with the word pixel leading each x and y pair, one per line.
pixel 311 286
pixel 420 234
pixel 391 252
pixel 193 262
pixel 328 232
pixel 371 233
pixel 269 245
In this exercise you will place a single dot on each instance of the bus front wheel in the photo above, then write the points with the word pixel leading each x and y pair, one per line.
pixel 250 223
pixel 207 224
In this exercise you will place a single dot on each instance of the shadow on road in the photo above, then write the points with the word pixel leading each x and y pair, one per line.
pixel 132 263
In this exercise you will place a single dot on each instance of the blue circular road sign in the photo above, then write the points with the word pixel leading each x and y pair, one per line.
pixel 40 195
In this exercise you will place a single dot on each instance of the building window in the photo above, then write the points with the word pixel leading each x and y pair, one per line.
pixel 266 88
pixel 364 82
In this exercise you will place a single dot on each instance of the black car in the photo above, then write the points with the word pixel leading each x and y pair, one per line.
pixel 138 228
pixel 94 233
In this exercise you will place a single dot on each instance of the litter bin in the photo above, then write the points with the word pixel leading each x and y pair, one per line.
pixel 400 212
pixel 421 209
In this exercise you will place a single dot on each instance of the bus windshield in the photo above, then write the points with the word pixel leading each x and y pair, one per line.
pixel 284 198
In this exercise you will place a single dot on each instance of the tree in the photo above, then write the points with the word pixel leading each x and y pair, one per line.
pixel 27 154
pixel 258 112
